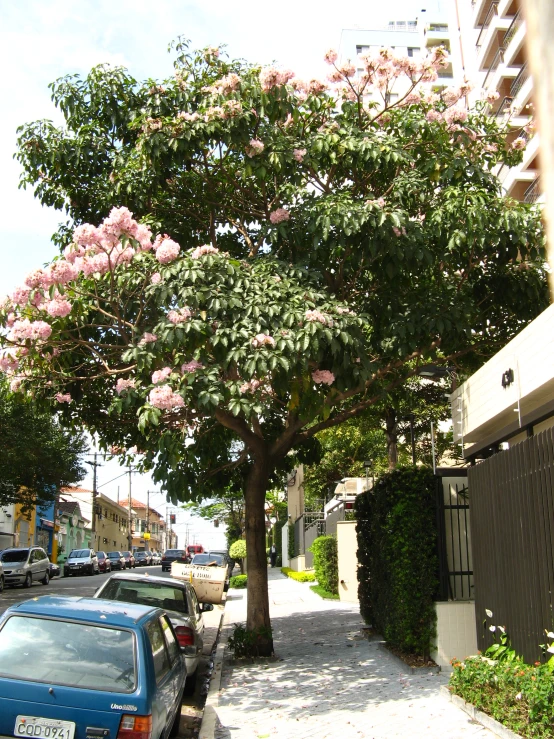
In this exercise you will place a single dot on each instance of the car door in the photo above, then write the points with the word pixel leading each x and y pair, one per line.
pixel 178 666
pixel 34 564
pixel 42 564
pixel 163 704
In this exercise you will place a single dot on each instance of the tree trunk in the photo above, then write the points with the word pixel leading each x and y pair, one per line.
pixel 392 438
pixel 257 610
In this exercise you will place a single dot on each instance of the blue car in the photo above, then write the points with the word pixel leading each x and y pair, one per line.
pixel 78 668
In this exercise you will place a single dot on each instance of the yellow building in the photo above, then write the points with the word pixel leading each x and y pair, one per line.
pixel 111 520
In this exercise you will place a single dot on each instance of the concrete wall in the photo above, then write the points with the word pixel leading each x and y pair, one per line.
pixel 481 406
pixel 456 635
pixel 285 545
pixel 298 564
pixel 347 546
pixel 295 493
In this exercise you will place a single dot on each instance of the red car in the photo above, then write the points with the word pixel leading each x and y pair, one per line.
pixel 129 560
pixel 104 564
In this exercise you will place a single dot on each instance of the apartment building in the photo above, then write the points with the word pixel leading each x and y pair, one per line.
pixel 493 40
pixel 111 519
pixel 149 528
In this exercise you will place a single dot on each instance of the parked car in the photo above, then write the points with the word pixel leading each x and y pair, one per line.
pixel 91 672
pixel 129 560
pixel 81 562
pixel 178 599
pixel 25 565
pixel 104 564
pixel 193 549
pixel 1 578
pixel 156 559
pixel 173 555
pixel 117 560
pixel 54 570
pixel 225 554
pixel 143 559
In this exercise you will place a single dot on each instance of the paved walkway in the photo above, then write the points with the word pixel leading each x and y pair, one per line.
pixel 326 681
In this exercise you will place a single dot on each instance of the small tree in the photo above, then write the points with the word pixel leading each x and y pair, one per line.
pixel 313 249
pixel 237 551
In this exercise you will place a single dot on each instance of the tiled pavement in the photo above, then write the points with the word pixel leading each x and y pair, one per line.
pixel 326 680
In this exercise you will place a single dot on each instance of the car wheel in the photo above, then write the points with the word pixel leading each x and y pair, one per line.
pixel 28 580
pixel 46 579
pixel 91 570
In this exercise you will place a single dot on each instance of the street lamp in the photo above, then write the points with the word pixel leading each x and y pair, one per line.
pixel 433 372
pixel 368 464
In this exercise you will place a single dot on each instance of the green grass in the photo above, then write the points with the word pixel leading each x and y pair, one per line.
pixel 318 590
pixel 298 576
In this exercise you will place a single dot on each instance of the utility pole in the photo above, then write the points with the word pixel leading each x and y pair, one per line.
pixel 94 466
pixel 130 534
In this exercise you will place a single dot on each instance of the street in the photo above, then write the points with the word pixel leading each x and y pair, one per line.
pixel 85 586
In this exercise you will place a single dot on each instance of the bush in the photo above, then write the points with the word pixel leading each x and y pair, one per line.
pixel 318 590
pixel 326 563
pixel 298 576
pixel 519 695
pixel 247 642
pixel 397 552
pixel 238 581
pixel 237 550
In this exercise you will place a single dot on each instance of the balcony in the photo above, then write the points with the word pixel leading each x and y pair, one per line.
pixel 504 107
pixel 520 80
pixel 480 10
pixel 513 29
pixel 493 10
pixel 533 192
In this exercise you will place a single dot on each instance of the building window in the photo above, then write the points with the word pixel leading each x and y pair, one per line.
pixel 362 49
pixel 413 50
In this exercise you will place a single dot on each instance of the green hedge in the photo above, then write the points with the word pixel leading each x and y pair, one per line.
pixel 326 563
pixel 238 581
pixel 397 552
pixel 298 576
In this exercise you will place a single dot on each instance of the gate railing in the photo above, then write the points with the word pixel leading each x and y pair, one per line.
pixel 454 541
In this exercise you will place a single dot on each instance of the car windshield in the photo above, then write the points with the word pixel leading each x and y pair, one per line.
pixel 140 554
pixel 206 559
pixel 65 653
pixel 126 554
pixel 114 555
pixel 79 553
pixel 147 593
pixel 174 552
pixel 101 555
pixel 16 556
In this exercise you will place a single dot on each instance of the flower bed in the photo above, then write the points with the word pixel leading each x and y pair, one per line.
pixel 298 576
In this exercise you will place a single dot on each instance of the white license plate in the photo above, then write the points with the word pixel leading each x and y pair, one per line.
pixel 43 728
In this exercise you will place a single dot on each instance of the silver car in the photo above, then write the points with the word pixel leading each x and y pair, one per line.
pixel 1 577
pixel 179 601
pixel 25 565
pixel 81 562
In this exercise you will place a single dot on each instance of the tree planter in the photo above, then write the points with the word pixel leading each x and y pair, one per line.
pixel 482 718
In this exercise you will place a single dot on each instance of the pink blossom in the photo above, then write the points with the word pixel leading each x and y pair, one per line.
pixel 491 96
pixel 316 316
pixel 60 273
pixel 347 69
pixel 519 144
pixel 167 251
pixel 397 232
pixel 20 295
pixel 163 397
pixel 156 278
pixel 345 311
pixel 299 154
pixel 143 235
pixel 61 398
pixel 191 366
pixel 249 387
pixel 148 339
pixel 433 115
pixel 15 384
pixel 455 114
pixel 123 385
pixel 161 375
pixel 34 278
pixel 226 84
pixel 271 77
pixel 331 56
pixel 380 202
pixel 8 363
pixel 279 215
pixel 323 377
pixel 58 308
pixel 25 329
pixel 120 221
pixel 10 320
pixel 73 251
pixel 263 340
pixel 86 235
pixel 179 316
pixel 200 251
pixel 255 147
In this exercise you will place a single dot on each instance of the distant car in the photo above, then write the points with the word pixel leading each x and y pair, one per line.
pixel 54 570
pixel 104 564
pixel 81 562
pixel 1 578
pixel 156 559
pixel 193 549
pixel 173 555
pixel 25 565
pixel 129 560
pixel 176 597
pixel 142 559
pixel 117 560
pixel 207 558
pixel 91 671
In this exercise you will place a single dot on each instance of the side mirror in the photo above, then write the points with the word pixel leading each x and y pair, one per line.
pixel 206 607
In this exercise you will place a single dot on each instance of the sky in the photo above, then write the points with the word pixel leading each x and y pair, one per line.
pixel 42 40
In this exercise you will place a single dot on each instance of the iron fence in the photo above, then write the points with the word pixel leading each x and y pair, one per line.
pixel 454 536
pixel 520 80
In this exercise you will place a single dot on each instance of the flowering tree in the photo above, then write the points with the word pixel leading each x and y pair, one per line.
pixel 297 249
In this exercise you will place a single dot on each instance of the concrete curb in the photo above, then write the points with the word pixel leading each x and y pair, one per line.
pixel 209 718
pixel 482 718
pixel 407 668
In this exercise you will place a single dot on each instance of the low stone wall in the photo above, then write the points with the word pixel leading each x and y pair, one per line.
pixel 456 635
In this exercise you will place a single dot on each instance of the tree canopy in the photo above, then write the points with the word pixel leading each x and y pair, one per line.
pixel 315 244
pixel 38 456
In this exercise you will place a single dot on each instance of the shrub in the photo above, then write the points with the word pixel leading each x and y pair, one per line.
pixel 326 563
pixel 247 642
pixel 318 590
pixel 298 576
pixel 397 552
pixel 238 581
pixel 237 550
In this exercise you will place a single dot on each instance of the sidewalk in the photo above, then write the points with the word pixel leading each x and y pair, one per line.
pixel 326 680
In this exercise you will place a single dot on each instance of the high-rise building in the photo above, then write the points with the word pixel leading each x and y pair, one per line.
pixel 493 42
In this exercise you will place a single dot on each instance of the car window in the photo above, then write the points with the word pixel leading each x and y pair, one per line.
pixel 15 556
pixel 159 651
pixel 172 643
pixel 79 553
pixel 40 555
pixel 195 604
pixel 147 593
pixel 66 653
